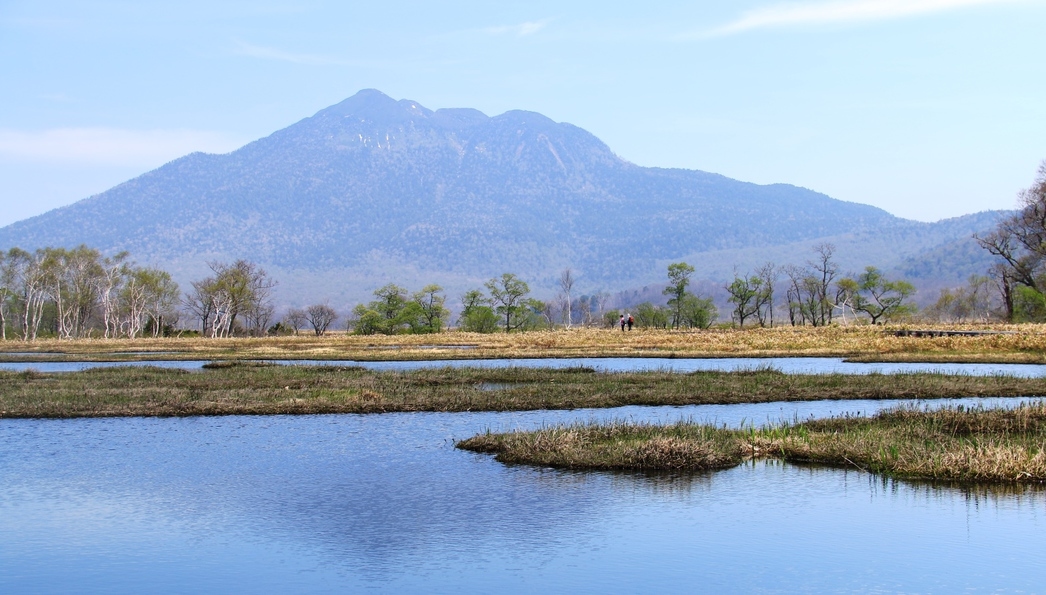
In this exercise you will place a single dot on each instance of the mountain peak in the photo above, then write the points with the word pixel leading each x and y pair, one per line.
pixel 386 190
pixel 375 105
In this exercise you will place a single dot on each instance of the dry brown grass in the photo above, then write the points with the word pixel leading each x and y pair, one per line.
pixel 615 446
pixel 952 444
pixel 246 388
pixel 1026 344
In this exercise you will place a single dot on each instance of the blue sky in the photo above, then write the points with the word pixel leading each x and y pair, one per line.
pixel 926 108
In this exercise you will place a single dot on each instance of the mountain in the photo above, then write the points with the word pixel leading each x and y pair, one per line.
pixel 374 190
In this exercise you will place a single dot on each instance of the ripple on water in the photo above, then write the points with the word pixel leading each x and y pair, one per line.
pixel 343 502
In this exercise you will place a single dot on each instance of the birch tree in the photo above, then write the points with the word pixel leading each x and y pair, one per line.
pixel 6 292
pixel 114 270
pixel 240 288
pixel 71 279
pixel 29 284
pixel 566 284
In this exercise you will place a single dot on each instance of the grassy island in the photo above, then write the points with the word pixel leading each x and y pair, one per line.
pixel 251 388
pixel 949 444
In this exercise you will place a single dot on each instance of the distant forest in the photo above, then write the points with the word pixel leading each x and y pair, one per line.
pixel 74 293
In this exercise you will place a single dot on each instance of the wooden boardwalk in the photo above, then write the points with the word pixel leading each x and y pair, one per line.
pixel 939 333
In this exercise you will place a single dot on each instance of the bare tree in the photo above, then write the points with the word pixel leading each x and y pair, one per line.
pixel 296 318
pixel 113 272
pixel 825 269
pixel 320 316
pixel 600 298
pixel 200 302
pixel 566 283
pixel 29 282
pixel 803 295
pixel 132 304
pixel 237 289
pixel 147 300
pixel 258 316
pixel 768 273
pixel 70 279
pixel 1020 243
pixel 7 293
pixel 549 311
pixel 584 310
pixel 161 297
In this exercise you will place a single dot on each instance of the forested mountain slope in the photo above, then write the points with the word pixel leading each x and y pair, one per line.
pixel 373 190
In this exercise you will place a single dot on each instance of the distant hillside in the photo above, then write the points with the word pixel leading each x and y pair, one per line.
pixel 373 190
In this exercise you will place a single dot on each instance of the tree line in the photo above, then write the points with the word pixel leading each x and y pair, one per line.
pixel 78 292
pixel 73 293
pixel 502 304
pixel 1014 288
pixel 816 294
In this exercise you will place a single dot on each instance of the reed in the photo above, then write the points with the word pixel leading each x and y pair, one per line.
pixel 952 444
pixel 615 446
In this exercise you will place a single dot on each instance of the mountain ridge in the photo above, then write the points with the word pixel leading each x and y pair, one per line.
pixel 454 193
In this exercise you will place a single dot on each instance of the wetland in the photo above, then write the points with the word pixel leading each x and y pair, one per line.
pixel 333 464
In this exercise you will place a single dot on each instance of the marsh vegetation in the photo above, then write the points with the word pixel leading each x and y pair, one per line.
pixel 948 444
pixel 1021 343
pixel 257 388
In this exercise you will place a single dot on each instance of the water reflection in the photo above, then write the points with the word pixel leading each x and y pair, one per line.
pixel 332 502
pixel 1030 496
pixel 787 365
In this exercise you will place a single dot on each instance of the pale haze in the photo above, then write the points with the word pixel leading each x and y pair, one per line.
pixel 926 108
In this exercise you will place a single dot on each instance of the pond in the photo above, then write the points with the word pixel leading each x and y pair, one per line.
pixel 788 365
pixel 334 503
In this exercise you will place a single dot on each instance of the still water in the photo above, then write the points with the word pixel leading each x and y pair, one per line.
pixel 788 365
pixel 337 503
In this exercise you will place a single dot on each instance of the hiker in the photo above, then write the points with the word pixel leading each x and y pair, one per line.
pixel 622 323
pixel 631 321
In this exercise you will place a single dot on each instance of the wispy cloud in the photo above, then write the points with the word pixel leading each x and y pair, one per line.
pixel 250 50
pixel 520 30
pixel 257 51
pixel 841 11
pixel 111 146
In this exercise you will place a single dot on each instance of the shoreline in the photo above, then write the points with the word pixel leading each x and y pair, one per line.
pixel 259 389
